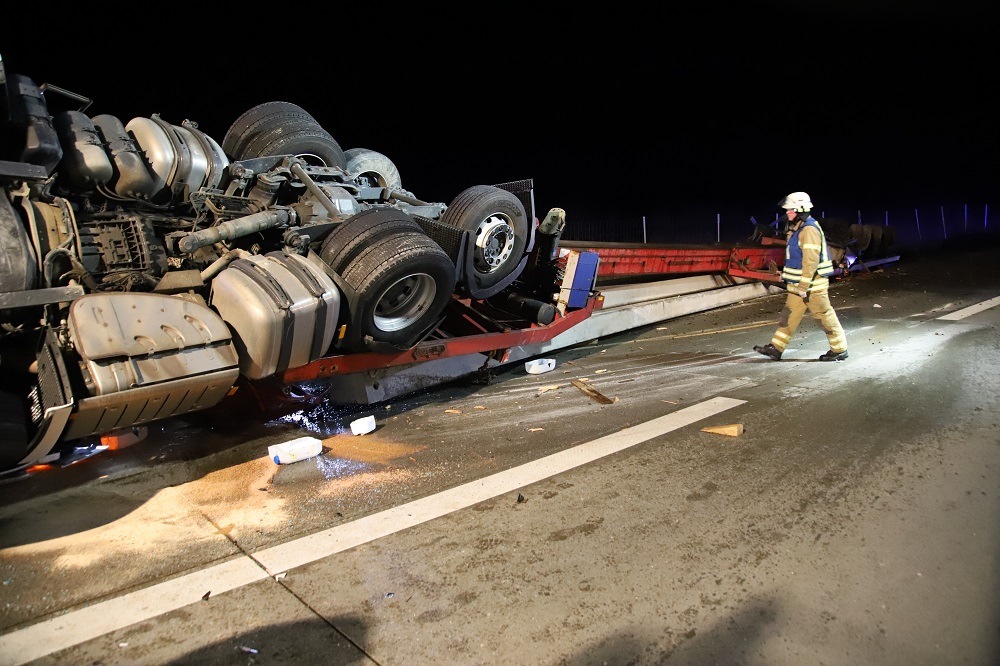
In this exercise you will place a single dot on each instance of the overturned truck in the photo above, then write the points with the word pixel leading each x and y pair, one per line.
pixel 148 269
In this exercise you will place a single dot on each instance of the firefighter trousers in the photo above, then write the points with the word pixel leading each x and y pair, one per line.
pixel 818 303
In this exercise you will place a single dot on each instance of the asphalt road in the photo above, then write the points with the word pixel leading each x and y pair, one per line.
pixel 853 521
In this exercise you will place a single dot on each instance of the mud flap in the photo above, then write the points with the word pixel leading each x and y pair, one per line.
pixel 50 401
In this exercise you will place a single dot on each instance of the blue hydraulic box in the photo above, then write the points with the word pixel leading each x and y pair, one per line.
pixel 578 279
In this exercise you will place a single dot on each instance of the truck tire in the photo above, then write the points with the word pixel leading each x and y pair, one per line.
pixel 13 431
pixel 351 236
pixel 864 239
pixel 403 281
pixel 861 234
pixel 251 121
pixel 836 230
pixel 254 144
pixel 875 246
pixel 372 169
pixel 312 144
pixel 888 238
pixel 282 128
pixel 499 225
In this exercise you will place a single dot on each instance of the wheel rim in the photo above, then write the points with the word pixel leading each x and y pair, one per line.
pixel 404 302
pixel 312 159
pixel 371 179
pixel 494 243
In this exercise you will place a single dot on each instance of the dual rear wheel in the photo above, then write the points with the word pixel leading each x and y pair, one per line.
pixel 401 279
pixel 282 128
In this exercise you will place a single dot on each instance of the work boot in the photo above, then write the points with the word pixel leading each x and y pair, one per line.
pixel 834 356
pixel 768 350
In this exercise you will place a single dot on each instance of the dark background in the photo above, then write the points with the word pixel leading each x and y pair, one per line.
pixel 616 111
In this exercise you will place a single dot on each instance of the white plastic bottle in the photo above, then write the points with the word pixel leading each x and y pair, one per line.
pixel 295 450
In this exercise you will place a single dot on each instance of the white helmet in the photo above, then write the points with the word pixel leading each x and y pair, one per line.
pixel 798 201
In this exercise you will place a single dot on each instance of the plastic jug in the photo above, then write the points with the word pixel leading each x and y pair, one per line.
pixel 295 450
pixel 540 365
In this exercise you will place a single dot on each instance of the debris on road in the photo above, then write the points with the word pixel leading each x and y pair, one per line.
pixel 453 411
pixel 594 394
pixel 363 426
pixel 732 430
pixel 539 365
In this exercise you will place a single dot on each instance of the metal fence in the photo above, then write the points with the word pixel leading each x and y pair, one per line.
pixel 912 227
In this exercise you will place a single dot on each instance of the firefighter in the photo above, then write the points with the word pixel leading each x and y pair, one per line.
pixel 806 276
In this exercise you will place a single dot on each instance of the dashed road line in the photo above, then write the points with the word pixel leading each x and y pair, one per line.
pixel 971 310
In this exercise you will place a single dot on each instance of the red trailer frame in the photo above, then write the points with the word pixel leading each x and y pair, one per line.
pixel 473 326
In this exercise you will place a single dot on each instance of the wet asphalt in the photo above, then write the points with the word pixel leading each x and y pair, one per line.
pixel 854 519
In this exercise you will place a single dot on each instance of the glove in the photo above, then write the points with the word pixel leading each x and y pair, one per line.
pixel 803 292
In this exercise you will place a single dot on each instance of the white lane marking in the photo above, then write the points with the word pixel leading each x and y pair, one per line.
pixel 337 539
pixel 971 310
pixel 75 627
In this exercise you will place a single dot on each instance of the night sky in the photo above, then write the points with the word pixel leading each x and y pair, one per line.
pixel 615 111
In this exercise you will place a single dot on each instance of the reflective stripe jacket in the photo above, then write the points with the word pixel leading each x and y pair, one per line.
pixel 807 257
